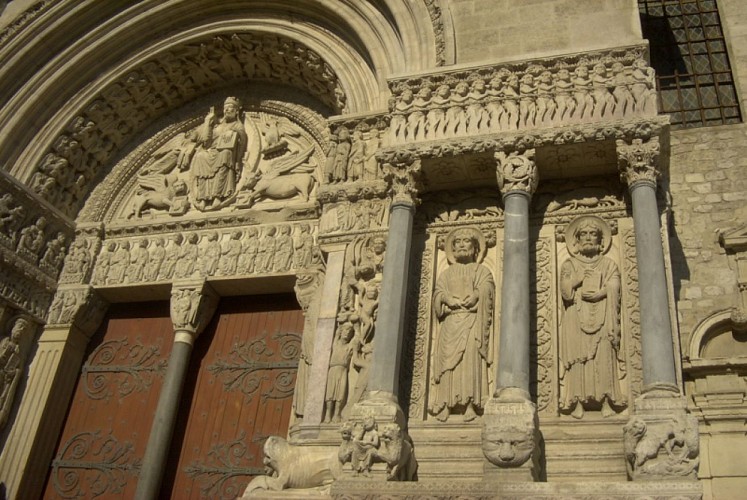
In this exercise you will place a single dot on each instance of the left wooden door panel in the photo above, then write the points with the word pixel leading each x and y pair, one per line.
pixel 108 422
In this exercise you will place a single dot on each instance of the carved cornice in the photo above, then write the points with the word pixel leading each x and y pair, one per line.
pixel 77 305
pixel 516 172
pixel 518 141
pixel 595 86
pixel 192 305
pixel 638 161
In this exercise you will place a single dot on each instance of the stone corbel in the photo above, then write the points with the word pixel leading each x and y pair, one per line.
pixel 402 171
pixel 192 306
pixel 638 161
pixel 516 172
pixel 77 305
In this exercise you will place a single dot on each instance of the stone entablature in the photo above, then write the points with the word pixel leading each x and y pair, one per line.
pixel 533 94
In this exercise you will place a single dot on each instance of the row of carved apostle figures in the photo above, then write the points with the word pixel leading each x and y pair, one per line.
pixel 269 249
pixel 513 100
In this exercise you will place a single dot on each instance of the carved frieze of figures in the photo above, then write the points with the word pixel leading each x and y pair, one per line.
pixel 79 260
pixel 591 359
pixel 533 94
pixel 13 352
pixel 463 305
pixel 351 156
pixel 268 249
pixel 66 173
pixel 241 160
pixel 362 215
pixel 364 444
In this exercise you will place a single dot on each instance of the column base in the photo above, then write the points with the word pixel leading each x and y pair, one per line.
pixel 511 440
pixel 661 440
pixel 375 442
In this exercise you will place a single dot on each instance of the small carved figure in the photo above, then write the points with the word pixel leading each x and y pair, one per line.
pixel 416 123
pixel 217 162
pixel 329 162
pixel 210 254
pixel 398 124
pixel 103 263
pixel 138 261
pixel 185 265
pixel 643 88
pixel 510 119
pixel 365 444
pixel 172 256
pixel 666 448
pixel 624 102
pixel 396 452
pixel 565 102
pixel 156 257
pixel 582 93
pixel 54 254
pixel 456 114
pixel 12 358
pixel 10 216
pixel 436 118
pixel 477 115
pixel 266 250
pixel 160 192
pixel 545 102
pixel 337 376
pixel 230 253
pixel 342 153
pixel 283 249
pixel 463 307
pixel 302 247
pixel 32 237
pixel 357 157
pixel 370 163
pixel 604 103
pixel 249 251
pixel 494 106
pixel 119 262
pixel 527 104
pixel 590 326
pixel 79 258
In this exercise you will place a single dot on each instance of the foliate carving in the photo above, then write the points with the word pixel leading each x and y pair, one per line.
pixel 542 338
pixel 638 161
pixel 165 82
pixel 13 352
pixel 436 15
pixel 192 306
pixel 417 342
pixel 404 180
pixel 516 172
pixel 363 445
pixel 81 306
pixel 463 304
pixel 591 360
pixel 661 449
pixel 292 467
pixel 121 367
pixel 510 436
pixel 633 310
pixel 90 465
pixel 535 94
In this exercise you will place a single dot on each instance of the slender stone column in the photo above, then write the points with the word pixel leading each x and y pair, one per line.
pixel 74 316
pixel 192 306
pixel 661 409
pixel 638 162
pixel 509 437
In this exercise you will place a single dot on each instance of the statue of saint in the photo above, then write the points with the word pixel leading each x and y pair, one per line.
pixel 12 358
pixel 463 309
pixel 589 349
pixel 217 161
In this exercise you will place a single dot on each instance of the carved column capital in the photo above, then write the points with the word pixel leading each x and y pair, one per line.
pixel 80 306
pixel 638 161
pixel 516 172
pixel 192 305
pixel 402 172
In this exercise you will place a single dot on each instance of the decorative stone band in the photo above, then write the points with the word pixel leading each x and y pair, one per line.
pixel 638 161
pixel 192 306
pixel 516 172
pixel 533 94
pixel 78 305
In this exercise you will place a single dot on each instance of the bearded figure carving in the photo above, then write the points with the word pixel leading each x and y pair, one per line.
pixel 590 328
pixel 463 309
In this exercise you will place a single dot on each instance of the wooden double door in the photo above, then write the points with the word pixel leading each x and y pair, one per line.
pixel 239 390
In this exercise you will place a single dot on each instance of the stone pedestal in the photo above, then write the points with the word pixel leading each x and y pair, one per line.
pixel 510 438
pixel 661 441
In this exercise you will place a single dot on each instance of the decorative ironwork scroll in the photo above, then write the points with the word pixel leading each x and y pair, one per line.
pixel 245 369
pixel 226 462
pixel 118 366
pixel 89 466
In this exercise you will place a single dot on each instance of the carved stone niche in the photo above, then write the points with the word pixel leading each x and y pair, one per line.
pixel 236 153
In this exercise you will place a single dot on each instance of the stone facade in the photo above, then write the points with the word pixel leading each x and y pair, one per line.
pixel 515 276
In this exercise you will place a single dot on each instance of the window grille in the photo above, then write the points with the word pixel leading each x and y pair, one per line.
pixel 688 53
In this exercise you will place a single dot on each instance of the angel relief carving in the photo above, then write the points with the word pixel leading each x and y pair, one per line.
pixel 234 160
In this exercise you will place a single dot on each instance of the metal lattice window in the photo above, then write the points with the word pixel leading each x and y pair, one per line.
pixel 688 52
